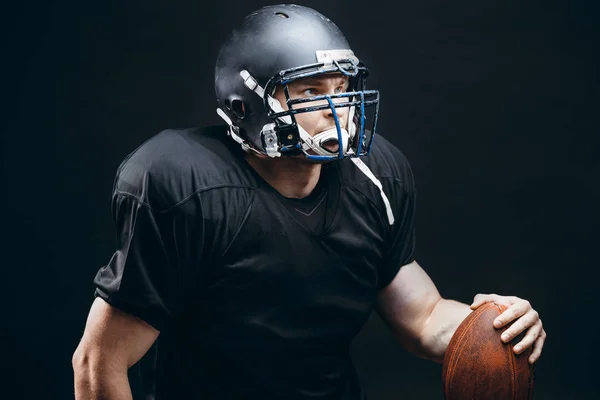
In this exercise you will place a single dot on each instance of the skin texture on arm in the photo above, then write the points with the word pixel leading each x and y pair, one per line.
pixel 418 316
pixel 424 322
pixel 112 342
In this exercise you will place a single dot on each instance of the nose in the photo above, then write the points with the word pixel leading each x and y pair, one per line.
pixel 341 112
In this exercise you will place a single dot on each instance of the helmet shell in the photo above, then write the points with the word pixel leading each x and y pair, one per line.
pixel 270 40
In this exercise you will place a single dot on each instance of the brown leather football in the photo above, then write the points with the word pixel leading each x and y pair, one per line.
pixel 479 366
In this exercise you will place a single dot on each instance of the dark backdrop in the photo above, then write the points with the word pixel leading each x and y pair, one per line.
pixel 494 103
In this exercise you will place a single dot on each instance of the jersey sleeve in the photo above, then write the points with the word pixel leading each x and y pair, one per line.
pixel 400 243
pixel 149 273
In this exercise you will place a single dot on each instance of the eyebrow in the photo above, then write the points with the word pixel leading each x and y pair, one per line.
pixel 319 82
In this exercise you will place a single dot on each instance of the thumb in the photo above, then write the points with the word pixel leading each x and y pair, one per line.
pixel 477 301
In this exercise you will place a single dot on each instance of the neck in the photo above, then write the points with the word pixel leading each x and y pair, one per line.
pixel 293 177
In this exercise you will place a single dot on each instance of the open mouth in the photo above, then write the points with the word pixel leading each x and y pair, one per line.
pixel 331 145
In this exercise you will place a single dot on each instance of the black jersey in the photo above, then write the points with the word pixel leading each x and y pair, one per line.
pixel 250 302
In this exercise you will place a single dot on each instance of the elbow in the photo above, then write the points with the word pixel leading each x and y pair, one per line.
pixel 90 364
pixel 92 360
pixel 83 365
pixel 84 358
pixel 82 372
pixel 98 376
pixel 79 360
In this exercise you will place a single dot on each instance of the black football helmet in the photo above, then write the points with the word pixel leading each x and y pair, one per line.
pixel 277 45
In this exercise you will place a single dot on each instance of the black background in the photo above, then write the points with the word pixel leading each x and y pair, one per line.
pixel 494 103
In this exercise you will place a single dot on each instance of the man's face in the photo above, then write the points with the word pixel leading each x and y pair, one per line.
pixel 317 121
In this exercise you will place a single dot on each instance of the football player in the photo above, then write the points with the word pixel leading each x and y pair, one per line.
pixel 250 254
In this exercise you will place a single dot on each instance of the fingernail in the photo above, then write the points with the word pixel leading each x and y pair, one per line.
pixel 504 337
pixel 496 323
pixel 518 348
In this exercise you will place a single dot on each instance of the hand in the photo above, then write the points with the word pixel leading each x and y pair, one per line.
pixel 526 319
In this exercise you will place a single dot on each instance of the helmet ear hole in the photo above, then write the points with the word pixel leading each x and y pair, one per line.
pixel 238 108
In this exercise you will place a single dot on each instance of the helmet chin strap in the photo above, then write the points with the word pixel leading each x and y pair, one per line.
pixel 246 146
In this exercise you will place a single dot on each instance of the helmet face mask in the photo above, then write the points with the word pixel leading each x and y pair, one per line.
pixel 264 126
pixel 355 139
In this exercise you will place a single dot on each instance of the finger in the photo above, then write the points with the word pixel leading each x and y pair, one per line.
pixel 480 299
pixel 532 334
pixel 529 319
pixel 537 347
pixel 511 313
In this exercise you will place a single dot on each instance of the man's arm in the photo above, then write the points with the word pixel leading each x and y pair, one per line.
pixel 112 342
pixel 418 316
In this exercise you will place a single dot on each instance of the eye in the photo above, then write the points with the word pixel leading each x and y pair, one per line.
pixel 310 92
pixel 339 89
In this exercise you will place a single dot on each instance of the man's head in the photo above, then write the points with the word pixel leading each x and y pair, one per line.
pixel 319 124
pixel 288 83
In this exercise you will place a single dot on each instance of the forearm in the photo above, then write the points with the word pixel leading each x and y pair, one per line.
pixel 95 382
pixel 439 327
